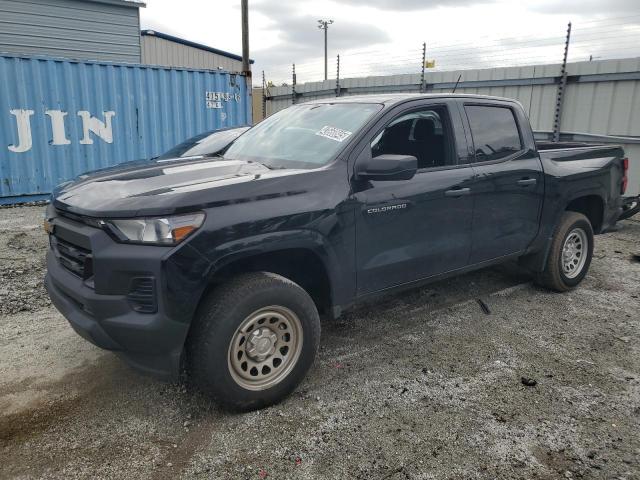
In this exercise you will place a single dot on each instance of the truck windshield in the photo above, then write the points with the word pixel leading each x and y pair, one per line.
pixel 208 143
pixel 302 136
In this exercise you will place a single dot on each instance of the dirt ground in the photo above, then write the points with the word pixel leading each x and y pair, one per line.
pixel 424 385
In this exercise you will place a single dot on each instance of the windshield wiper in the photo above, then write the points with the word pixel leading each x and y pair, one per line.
pixel 272 167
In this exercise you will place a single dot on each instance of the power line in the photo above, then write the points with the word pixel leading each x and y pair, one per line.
pixel 608 38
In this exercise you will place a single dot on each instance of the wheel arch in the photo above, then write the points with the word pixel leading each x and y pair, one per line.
pixel 591 206
pixel 301 265
pixel 317 270
pixel 304 256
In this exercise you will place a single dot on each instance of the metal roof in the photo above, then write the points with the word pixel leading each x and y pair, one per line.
pixel 123 3
pixel 189 43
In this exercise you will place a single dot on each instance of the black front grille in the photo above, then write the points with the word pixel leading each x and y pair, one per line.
pixel 142 295
pixel 76 259
pixel 92 222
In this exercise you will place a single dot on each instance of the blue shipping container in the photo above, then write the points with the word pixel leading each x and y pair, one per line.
pixel 60 118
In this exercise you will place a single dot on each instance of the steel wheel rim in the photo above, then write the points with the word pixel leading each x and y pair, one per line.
pixel 265 348
pixel 574 253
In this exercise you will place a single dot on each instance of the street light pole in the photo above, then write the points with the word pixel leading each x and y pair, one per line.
pixel 324 25
pixel 325 52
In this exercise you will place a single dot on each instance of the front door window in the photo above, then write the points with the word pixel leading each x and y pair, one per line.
pixel 423 134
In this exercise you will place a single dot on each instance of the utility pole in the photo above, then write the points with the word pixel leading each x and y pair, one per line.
pixel 293 84
pixel 264 96
pixel 557 119
pixel 338 76
pixel 424 59
pixel 244 5
pixel 324 25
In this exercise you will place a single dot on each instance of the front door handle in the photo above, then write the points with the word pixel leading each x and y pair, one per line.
pixel 525 182
pixel 457 192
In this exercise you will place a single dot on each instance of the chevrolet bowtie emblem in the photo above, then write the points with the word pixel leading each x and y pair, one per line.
pixel 49 227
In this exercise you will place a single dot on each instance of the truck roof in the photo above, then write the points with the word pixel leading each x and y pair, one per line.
pixel 393 98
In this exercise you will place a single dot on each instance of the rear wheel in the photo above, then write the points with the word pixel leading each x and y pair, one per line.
pixel 570 254
pixel 253 341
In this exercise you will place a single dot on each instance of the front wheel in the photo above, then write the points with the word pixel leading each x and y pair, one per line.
pixel 253 340
pixel 570 254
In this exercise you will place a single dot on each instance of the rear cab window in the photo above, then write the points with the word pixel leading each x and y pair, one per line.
pixel 494 131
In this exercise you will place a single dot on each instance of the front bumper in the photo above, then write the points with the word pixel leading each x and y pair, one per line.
pixel 100 308
pixel 151 343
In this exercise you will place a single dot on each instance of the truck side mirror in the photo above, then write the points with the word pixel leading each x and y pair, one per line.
pixel 387 167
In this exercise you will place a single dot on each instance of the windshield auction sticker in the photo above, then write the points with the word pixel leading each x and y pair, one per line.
pixel 333 133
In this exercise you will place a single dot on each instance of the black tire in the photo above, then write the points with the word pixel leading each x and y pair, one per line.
pixel 214 335
pixel 554 276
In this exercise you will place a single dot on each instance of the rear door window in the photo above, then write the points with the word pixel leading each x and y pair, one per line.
pixel 494 131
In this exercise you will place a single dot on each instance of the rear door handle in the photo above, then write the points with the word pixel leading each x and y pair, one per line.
pixel 525 182
pixel 457 192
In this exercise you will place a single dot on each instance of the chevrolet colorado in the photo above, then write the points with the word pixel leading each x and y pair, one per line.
pixel 220 266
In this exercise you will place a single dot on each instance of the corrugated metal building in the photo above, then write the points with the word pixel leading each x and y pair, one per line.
pixel 100 30
pixel 104 30
pixel 602 97
pixel 161 49
pixel 257 95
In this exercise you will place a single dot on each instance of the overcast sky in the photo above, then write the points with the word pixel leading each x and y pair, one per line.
pixel 375 35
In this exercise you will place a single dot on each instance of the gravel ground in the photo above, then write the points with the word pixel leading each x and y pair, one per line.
pixel 424 385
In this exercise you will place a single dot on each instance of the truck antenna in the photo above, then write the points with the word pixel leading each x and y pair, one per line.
pixel 457 82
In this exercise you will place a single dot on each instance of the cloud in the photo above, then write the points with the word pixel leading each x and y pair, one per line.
pixel 300 39
pixel 408 5
pixel 579 7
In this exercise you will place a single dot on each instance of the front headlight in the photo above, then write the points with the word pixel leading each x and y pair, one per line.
pixel 162 231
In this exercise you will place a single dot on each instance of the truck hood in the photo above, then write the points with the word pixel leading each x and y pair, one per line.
pixel 161 187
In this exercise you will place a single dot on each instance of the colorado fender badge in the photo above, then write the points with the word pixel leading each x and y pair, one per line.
pixel 386 208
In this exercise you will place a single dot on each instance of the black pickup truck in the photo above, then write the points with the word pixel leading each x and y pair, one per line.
pixel 220 265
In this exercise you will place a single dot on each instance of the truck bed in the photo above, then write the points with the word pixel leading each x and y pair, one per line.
pixel 570 151
pixel 548 145
pixel 572 168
